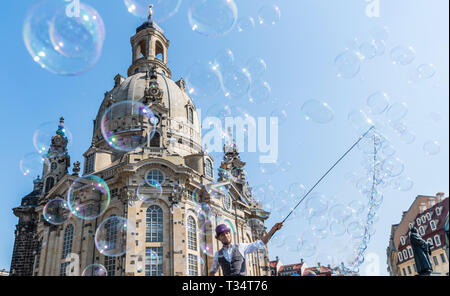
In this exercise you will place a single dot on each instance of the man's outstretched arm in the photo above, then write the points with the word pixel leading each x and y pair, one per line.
pixel 269 235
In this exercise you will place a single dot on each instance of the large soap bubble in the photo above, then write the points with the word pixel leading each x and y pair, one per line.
pixel 112 235
pixel 42 137
pixel 88 197
pixel 212 18
pixel 56 211
pixel 61 40
pixel 128 125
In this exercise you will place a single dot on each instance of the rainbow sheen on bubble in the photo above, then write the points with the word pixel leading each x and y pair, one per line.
pixel 127 125
pixel 88 197
pixel 56 211
pixel 95 270
pixel 212 18
pixel 34 164
pixel 112 235
pixel 42 136
pixel 62 39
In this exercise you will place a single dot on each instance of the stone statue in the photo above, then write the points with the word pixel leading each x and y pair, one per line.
pixel 422 252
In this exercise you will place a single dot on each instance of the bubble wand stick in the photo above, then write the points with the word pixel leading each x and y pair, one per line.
pixel 334 165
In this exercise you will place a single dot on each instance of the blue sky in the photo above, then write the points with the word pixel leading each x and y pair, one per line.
pixel 299 52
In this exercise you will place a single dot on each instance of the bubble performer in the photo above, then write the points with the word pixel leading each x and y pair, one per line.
pixel 231 258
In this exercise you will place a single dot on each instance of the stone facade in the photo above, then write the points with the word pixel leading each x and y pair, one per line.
pixel 176 155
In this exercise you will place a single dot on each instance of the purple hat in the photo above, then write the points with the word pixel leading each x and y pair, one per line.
pixel 221 229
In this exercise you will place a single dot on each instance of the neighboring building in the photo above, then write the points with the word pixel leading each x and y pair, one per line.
pixel 275 266
pixel 3 272
pixel 292 269
pixel 166 226
pixel 446 235
pixel 428 215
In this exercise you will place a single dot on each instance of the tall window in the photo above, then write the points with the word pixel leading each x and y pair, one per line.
pixel 90 162
pixel 38 255
pixel 192 234
pixel 155 142
pixel 435 260
pixel 154 223
pixel 62 269
pixel 410 252
pixel 437 240
pixel 110 265
pixel 49 184
pixel 192 265
pixel 190 116
pixel 443 258
pixel 68 238
pixel 111 232
pixel 209 169
pixel 433 225
pixel 153 261
pixel 409 269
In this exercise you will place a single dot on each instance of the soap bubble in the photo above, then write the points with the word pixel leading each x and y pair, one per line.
pixel 202 81
pixel 34 164
pixel 348 64
pixel 223 60
pixel 367 50
pixel 319 112
pixel 402 55
pixel 426 71
pixel 318 223
pixel 356 207
pixel 260 92
pixel 380 47
pixel 112 235
pixel 62 44
pixel 162 9
pixel 149 190
pixel 393 167
pixel 56 211
pixel 269 168
pixel 337 228
pixel 42 138
pixel 316 204
pixel 88 197
pixel 269 15
pixel 127 125
pixel 207 249
pixel 403 183
pixel 212 18
pixel 281 113
pixel 397 112
pixel 432 148
pixel 256 67
pixel 356 230
pixel 378 102
pixel 95 270
pixel 360 121
pixel 339 213
pixel 236 82
pixel 245 24
pixel 408 137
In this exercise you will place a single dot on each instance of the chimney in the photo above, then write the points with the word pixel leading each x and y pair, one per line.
pixel 422 207
pixel 301 261
pixel 277 259
pixel 440 196
pixel 318 264
pixel 431 202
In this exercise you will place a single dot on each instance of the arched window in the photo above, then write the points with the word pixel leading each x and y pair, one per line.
pixel 190 115
pixel 159 51
pixel 68 238
pixel 209 169
pixel 141 50
pixel 154 224
pixel 192 233
pixel 49 184
pixel 155 142
pixel 156 175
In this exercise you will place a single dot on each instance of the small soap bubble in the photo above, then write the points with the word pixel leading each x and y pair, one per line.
pixel 316 204
pixel 403 183
pixel 202 81
pixel 256 67
pixel 360 121
pixel 348 64
pixel 380 33
pixel 392 166
pixel 95 270
pixel 224 59
pixel 212 18
pixel 162 9
pixel 34 164
pixel 378 102
pixel 368 50
pixel 245 24
pixel 426 71
pixel 236 82
pixel 317 111
pixel 402 55
pixel 42 138
pixel 112 235
pixel 269 15
pixel 260 92
pixel 397 112
pixel 432 148
pixel 281 113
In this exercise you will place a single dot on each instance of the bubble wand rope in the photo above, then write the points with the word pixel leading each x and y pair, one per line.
pixel 334 165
